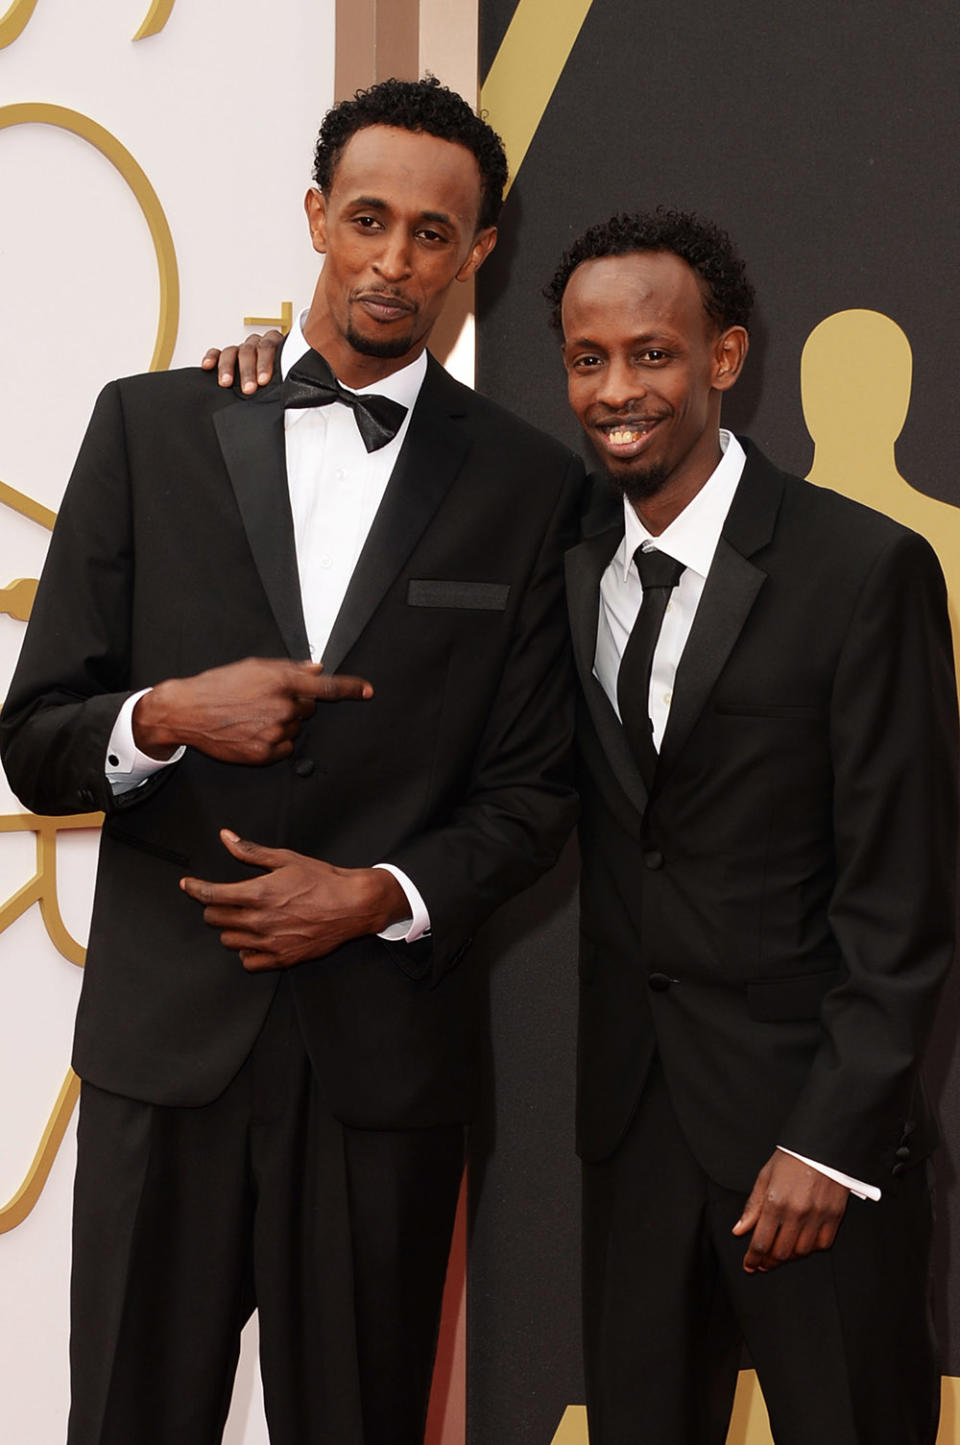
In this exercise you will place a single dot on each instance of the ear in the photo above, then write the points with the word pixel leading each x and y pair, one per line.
pixel 483 243
pixel 316 209
pixel 729 353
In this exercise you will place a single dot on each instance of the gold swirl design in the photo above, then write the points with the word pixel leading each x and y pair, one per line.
pixel 42 889
pixel 42 113
pixel 155 19
pixel 16 19
pixel 16 599
pixel 525 71
pixel 14 22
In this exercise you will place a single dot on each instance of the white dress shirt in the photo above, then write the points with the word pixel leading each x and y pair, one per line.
pixel 691 538
pixel 335 486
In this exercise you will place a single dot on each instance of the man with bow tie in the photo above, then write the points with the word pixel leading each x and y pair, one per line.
pixel 307 653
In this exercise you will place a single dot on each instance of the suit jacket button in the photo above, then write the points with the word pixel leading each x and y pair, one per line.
pixel 904 1151
pixel 898 1169
pixel 653 858
pixel 659 982
pixel 304 767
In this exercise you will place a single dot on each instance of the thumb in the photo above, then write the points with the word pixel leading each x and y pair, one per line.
pixel 752 1208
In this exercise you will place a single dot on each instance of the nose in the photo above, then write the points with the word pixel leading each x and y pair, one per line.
pixel 620 384
pixel 393 261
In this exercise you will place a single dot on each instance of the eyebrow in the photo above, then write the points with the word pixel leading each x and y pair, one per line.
pixel 375 203
pixel 645 338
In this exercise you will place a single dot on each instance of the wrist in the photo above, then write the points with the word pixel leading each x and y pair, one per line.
pixel 152 725
pixel 388 903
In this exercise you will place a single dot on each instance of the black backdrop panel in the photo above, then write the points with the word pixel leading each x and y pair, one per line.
pixel 823 137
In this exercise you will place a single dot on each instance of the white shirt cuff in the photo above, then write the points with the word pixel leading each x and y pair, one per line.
pixel 126 766
pixel 856 1186
pixel 417 925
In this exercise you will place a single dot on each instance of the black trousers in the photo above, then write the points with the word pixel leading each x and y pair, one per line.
pixel 185 1220
pixel 842 1340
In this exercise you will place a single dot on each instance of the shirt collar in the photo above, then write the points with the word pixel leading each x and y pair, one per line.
pixel 402 386
pixel 692 537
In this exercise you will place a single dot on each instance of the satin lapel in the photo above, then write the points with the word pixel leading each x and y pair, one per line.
pixel 433 452
pixel 585 566
pixel 729 593
pixel 251 440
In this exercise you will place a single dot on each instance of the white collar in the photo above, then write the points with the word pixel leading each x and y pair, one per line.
pixel 402 386
pixel 692 536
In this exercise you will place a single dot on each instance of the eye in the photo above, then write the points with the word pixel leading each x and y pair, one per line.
pixel 654 355
pixel 432 238
pixel 366 223
pixel 586 362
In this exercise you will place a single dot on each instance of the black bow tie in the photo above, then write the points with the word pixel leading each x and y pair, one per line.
pixel 312 383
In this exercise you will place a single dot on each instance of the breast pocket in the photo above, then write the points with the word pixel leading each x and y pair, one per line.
pixel 468 596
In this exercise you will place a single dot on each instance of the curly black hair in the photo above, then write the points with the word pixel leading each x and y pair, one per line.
pixel 727 294
pixel 416 105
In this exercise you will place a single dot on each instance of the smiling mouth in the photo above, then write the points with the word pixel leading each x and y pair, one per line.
pixel 626 437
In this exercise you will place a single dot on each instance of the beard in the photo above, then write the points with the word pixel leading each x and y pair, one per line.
pixel 387 349
pixel 640 486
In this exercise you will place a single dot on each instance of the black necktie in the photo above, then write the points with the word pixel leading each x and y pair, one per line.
pixel 311 383
pixel 659 574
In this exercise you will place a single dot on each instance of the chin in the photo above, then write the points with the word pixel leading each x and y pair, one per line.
pixel 386 347
pixel 639 486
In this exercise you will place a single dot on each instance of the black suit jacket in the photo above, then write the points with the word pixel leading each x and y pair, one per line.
pixel 174 552
pixel 775 919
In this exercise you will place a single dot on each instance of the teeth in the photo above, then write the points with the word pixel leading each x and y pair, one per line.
pixel 623 436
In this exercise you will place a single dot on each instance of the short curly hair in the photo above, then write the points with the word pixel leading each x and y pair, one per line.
pixel 708 250
pixel 422 106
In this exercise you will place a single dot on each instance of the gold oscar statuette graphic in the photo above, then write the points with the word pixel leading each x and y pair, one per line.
pixel 16 18
pixel 16 598
pixel 855 378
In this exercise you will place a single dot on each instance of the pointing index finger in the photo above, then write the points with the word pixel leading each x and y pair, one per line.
pixel 332 686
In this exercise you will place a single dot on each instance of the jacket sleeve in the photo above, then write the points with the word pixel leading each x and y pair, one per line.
pixel 73 673
pixel 893 738
pixel 520 804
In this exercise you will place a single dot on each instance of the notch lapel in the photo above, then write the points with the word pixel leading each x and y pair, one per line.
pixel 585 566
pixel 251 439
pixel 432 454
pixel 729 593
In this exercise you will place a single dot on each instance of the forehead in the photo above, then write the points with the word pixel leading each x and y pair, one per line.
pixel 645 291
pixel 410 171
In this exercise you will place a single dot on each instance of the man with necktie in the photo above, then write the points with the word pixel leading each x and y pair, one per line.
pixel 767 738
pixel 278 1028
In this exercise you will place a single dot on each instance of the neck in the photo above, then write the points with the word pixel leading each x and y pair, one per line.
pixel 678 491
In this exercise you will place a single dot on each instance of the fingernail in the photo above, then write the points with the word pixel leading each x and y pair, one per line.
pixel 231 835
pixel 263 377
pixel 249 386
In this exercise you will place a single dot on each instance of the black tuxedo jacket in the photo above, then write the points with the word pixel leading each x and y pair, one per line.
pixel 775 919
pixel 174 552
